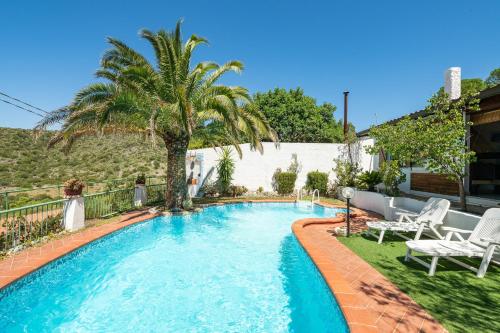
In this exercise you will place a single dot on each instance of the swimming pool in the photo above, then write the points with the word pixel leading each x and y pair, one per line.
pixel 231 268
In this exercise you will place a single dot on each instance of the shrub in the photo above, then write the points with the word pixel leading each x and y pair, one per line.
pixel 346 173
pixel 19 230
pixel 285 182
pixel 225 170
pixel 392 176
pixel 237 191
pixel 369 179
pixel 73 187
pixel 317 180
pixel 209 189
pixel 260 189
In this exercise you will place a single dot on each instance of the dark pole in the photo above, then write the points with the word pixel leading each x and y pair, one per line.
pixel 348 220
pixel 346 128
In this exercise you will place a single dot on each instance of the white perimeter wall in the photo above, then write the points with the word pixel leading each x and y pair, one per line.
pixel 255 169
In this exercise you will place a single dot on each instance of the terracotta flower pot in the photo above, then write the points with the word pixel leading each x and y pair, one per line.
pixel 72 193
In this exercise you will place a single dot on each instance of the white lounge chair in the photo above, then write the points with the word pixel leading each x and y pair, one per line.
pixel 429 217
pixel 481 243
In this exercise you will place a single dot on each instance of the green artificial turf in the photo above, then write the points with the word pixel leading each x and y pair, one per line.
pixel 454 296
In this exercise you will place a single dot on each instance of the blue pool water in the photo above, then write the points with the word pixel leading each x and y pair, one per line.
pixel 233 268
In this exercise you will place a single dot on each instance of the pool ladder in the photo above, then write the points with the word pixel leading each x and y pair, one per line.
pixel 315 193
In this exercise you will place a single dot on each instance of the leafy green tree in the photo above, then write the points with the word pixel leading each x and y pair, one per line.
pixel 494 78
pixel 170 100
pixel 443 138
pixel 297 118
pixel 438 139
pixel 392 139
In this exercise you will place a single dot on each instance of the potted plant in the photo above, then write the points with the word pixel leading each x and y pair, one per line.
pixel 141 179
pixel 140 195
pixel 74 205
pixel 73 187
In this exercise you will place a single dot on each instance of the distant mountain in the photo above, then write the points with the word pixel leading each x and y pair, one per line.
pixel 26 162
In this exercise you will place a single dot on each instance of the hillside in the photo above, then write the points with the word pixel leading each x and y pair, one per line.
pixel 26 162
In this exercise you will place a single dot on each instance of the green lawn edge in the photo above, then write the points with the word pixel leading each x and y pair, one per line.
pixel 455 297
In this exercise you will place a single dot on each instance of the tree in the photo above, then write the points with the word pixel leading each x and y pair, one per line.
pixel 494 78
pixel 437 139
pixel 392 139
pixel 444 140
pixel 297 118
pixel 169 99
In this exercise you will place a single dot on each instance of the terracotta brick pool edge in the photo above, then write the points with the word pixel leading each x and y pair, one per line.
pixel 357 319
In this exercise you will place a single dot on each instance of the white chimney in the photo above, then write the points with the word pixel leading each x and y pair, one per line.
pixel 452 82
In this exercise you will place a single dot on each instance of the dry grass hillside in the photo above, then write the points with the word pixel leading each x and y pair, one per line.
pixel 26 162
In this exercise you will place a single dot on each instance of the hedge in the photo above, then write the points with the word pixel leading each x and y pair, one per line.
pixel 317 180
pixel 285 182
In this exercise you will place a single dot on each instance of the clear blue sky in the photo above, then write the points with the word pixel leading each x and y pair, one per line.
pixel 391 55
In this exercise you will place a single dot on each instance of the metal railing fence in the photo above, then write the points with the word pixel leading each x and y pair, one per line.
pixel 32 222
pixel 18 197
pixel 29 223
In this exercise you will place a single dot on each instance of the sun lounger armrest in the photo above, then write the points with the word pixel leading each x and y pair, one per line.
pixel 405 216
pixel 458 232
pixel 490 241
pixel 462 231
pixel 427 222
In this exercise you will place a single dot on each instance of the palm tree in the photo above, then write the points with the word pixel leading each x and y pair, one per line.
pixel 170 100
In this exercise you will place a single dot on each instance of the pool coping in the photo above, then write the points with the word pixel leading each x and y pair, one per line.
pixel 35 258
pixel 358 319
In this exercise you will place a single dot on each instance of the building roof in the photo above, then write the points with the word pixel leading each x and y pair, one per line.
pixel 489 99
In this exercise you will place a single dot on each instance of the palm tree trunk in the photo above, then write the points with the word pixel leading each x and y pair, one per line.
pixel 177 190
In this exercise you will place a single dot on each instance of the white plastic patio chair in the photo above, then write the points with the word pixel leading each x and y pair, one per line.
pixel 481 243
pixel 429 217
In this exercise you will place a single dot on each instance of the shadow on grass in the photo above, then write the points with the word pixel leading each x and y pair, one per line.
pixel 454 296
